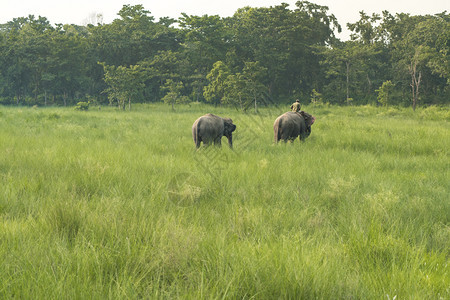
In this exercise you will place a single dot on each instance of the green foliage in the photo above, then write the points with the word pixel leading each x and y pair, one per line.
pixel 206 41
pixel 294 48
pixel 254 74
pixel 359 210
pixel 385 92
pixel 316 97
pixel 124 83
pixel 235 91
pixel 173 94
pixel 215 90
pixel 82 106
pixel 246 88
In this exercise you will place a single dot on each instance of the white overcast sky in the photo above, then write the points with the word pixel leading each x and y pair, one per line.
pixel 78 11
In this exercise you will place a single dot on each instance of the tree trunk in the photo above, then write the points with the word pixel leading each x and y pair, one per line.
pixel 413 94
pixel 370 84
pixel 415 83
pixel 348 80
pixel 36 90
pixel 129 103
pixel 417 87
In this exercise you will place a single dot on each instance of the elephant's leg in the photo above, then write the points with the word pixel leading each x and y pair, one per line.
pixel 302 137
pixel 197 142
pixel 218 141
pixel 230 142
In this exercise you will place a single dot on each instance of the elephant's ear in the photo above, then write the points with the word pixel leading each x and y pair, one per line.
pixel 228 122
pixel 309 119
pixel 229 127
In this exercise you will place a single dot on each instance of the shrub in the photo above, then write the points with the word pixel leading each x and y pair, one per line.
pixel 82 106
pixel 384 92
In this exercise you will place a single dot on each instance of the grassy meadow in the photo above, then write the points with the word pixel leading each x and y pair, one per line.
pixel 107 204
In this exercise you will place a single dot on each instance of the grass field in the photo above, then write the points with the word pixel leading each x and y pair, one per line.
pixel 110 204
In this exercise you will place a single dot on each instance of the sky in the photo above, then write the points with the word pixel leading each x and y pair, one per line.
pixel 81 11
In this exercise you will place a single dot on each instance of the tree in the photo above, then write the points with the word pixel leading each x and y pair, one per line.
pixel 124 84
pixel 316 97
pixel 158 69
pixel 438 38
pixel 28 55
pixel 67 75
pixel 235 90
pixel 345 64
pixel 132 38
pixel 296 48
pixel 206 40
pixel 174 95
pixel 214 91
pixel 385 92
pixel 254 75
pixel 419 53
pixel 313 29
pixel 430 59
pixel 285 42
pixel 416 75
pixel 364 30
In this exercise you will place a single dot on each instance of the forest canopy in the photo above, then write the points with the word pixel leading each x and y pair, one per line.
pixel 260 54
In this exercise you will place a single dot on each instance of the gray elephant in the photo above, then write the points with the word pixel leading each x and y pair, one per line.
pixel 292 124
pixel 210 128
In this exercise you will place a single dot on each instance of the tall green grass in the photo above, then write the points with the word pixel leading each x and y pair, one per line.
pixel 111 204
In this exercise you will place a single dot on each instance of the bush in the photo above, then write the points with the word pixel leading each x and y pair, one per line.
pixel 82 106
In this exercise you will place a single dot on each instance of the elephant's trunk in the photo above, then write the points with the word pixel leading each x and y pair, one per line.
pixel 230 141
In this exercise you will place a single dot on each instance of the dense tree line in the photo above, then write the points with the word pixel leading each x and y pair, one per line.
pixel 257 56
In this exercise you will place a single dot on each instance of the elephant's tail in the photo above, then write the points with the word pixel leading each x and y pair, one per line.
pixel 276 131
pixel 195 134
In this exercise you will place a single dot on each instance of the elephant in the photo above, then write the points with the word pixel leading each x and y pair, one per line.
pixel 210 128
pixel 292 124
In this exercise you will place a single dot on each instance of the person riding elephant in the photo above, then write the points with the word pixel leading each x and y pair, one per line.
pixel 296 106
pixel 210 129
pixel 292 124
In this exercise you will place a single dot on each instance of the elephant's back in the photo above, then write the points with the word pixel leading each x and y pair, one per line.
pixel 290 115
pixel 207 119
pixel 209 124
pixel 290 124
pixel 287 119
